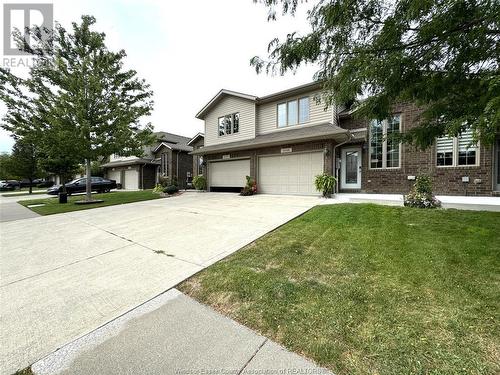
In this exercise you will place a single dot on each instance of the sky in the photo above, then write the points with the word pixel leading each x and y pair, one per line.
pixel 186 50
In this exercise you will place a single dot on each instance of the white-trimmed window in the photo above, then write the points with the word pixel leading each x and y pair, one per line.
pixel 457 151
pixel 385 148
pixel 293 112
pixel 164 164
pixel 200 165
pixel 229 124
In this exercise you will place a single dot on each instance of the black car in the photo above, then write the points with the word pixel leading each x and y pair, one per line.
pixel 79 185
pixel 9 185
pixel 39 182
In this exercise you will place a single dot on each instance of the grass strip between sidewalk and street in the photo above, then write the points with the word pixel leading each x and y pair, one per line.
pixel 50 206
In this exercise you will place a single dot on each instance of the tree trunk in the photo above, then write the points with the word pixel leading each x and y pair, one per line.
pixel 88 195
pixel 62 180
pixel 31 185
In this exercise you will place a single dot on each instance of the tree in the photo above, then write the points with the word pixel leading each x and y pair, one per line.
pixel 442 55
pixel 83 90
pixel 24 161
pixel 5 167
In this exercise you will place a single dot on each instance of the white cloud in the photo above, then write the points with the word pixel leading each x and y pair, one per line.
pixel 188 50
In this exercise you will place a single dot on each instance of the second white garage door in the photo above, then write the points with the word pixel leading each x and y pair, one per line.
pixel 228 173
pixel 115 175
pixel 131 179
pixel 290 174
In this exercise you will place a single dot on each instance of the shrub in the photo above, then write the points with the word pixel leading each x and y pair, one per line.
pixel 421 195
pixel 199 182
pixel 325 183
pixel 250 187
pixel 158 188
pixel 171 189
pixel 167 181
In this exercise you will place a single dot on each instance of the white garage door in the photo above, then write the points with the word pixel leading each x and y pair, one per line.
pixel 131 179
pixel 290 174
pixel 229 173
pixel 115 175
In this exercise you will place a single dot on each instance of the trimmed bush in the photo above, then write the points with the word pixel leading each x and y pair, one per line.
pixel 171 189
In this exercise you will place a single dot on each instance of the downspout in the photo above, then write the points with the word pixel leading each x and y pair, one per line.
pixel 142 176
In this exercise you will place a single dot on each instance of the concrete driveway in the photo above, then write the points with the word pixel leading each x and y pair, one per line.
pixel 64 275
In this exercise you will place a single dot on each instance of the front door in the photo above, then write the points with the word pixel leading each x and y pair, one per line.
pixel 350 168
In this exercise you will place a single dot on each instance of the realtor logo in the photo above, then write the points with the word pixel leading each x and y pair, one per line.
pixel 21 16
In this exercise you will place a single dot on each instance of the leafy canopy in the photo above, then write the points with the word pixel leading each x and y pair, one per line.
pixel 441 54
pixel 78 98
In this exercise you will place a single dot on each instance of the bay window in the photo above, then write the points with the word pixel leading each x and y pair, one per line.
pixel 456 151
pixel 385 147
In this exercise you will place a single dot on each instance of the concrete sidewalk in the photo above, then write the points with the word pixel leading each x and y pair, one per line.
pixel 173 334
pixel 447 201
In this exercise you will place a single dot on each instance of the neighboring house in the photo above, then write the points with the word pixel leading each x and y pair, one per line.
pixel 168 157
pixel 285 139
pixel 197 143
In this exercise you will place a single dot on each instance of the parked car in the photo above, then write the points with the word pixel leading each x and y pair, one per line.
pixel 9 185
pixel 35 182
pixel 99 184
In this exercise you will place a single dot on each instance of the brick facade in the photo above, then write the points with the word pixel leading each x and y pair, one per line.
pixel 414 162
pixel 179 165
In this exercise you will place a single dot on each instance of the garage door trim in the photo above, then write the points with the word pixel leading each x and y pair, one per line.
pixel 259 171
pixel 216 161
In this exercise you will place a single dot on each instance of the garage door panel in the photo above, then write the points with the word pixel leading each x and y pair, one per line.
pixel 229 173
pixel 115 175
pixel 131 179
pixel 290 174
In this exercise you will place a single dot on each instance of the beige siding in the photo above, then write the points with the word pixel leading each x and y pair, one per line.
pixel 267 114
pixel 228 105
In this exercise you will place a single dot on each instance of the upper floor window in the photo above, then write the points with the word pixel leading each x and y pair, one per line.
pixel 293 112
pixel 164 164
pixel 385 147
pixel 229 124
pixel 456 151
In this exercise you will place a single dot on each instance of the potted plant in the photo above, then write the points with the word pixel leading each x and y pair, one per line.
pixel 325 183
pixel 250 187
pixel 199 182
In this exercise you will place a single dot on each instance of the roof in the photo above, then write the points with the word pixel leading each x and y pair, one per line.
pixel 122 163
pixel 299 134
pixel 267 98
pixel 221 94
pixel 173 146
pixel 171 141
pixel 195 138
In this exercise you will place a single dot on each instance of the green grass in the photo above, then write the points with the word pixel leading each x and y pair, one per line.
pixel 52 205
pixel 367 289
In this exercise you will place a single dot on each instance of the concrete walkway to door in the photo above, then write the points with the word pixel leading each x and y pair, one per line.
pixel 65 275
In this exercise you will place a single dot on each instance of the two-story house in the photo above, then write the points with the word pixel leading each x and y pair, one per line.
pixel 168 157
pixel 285 139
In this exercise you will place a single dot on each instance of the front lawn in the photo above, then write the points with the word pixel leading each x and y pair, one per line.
pixel 52 205
pixel 368 289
